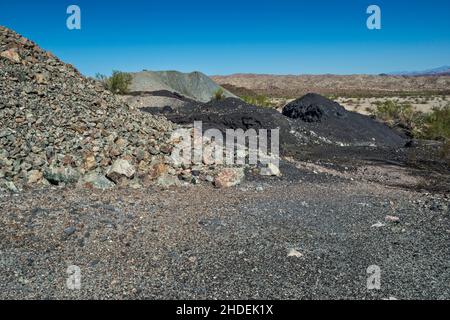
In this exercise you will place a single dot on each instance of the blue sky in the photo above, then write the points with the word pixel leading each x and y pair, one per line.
pixel 238 36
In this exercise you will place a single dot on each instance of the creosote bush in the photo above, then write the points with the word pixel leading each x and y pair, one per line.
pixel 218 95
pixel 431 126
pixel 118 83
pixel 436 124
pixel 259 100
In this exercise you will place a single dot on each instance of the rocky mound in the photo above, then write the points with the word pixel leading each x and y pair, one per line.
pixel 194 85
pixel 314 108
pixel 230 113
pixel 326 119
pixel 58 127
pixel 158 99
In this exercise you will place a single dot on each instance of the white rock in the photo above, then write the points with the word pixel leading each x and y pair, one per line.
pixel 378 225
pixel 294 253
pixel 392 219
pixel 270 170
pixel 120 169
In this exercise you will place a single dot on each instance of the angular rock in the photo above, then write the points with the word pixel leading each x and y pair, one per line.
pixel 120 169
pixel 167 180
pixel 229 177
pixel 11 55
pixel 294 253
pixel 158 170
pixel 59 175
pixel 9 185
pixel 393 219
pixel 97 181
pixel 89 162
pixel 34 176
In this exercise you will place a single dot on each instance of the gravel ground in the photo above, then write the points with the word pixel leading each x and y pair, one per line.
pixel 304 236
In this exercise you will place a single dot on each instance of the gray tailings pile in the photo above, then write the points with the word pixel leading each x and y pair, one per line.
pixel 194 85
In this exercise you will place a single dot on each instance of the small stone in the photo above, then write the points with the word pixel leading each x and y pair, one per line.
pixel 378 225
pixel 40 78
pixel 294 253
pixel 69 230
pixel 34 176
pixel 167 180
pixel 97 181
pixel 158 170
pixel 89 162
pixel 61 175
pixel 9 185
pixel 392 219
pixel 165 149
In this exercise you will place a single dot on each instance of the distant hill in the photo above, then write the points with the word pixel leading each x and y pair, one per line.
pixel 294 86
pixel 195 85
pixel 444 70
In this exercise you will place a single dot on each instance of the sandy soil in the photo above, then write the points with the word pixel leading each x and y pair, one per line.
pixel 367 105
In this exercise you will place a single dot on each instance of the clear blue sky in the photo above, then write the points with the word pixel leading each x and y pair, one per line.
pixel 224 37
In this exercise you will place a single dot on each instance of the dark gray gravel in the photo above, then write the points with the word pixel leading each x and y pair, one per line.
pixel 204 243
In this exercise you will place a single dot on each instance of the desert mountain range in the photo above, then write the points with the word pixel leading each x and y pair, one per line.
pixel 297 85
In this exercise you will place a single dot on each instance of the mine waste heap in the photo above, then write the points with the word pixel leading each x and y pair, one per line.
pixel 60 128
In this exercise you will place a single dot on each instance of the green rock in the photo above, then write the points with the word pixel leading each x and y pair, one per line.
pixel 167 180
pixel 98 181
pixel 61 175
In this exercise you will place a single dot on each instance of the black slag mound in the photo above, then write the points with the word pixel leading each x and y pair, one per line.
pixel 331 122
pixel 313 108
pixel 230 113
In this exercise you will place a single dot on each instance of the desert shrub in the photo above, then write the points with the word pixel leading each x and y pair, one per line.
pixel 259 100
pixel 432 126
pixel 118 83
pixel 218 95
pixel 436 125
pixel 396 114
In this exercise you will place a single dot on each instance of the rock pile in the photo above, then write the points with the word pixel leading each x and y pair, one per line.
pixel 194 85
pixel 327 122
pixel 58 127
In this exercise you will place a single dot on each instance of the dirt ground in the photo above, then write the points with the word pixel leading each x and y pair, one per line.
pixel 311 234
pixel 419 103
pixel 366 105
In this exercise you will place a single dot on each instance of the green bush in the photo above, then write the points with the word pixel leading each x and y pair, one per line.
pixel 218 95
pixel 118 83
pixel 260 100
pixel 432 126
pixel 436 125
pixel 392 112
